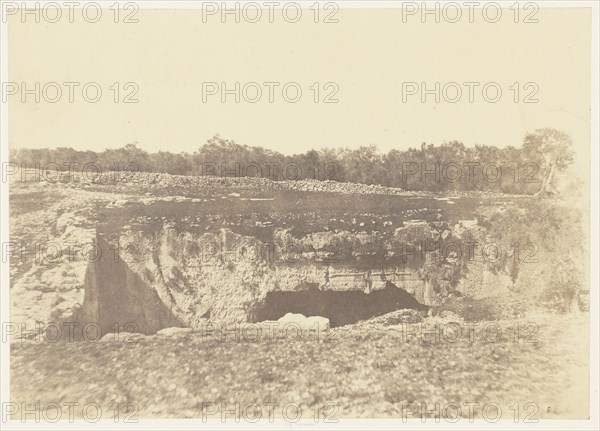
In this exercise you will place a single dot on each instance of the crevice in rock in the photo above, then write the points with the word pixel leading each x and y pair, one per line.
pixel 118 298
pixel 340 307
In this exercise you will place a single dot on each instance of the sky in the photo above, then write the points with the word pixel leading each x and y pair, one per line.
pixel 369 58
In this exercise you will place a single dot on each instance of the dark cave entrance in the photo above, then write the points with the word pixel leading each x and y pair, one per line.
pixel 340 307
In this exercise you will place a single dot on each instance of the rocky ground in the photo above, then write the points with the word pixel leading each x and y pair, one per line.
pixel 525 369
pixel 532 367
pixel 53 222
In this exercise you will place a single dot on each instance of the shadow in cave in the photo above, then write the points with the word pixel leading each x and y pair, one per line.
pixel 340 307
pixel 118 298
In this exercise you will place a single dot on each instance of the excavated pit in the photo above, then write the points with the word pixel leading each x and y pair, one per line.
pixel 119 295
pixel 340 307
pixel 189 262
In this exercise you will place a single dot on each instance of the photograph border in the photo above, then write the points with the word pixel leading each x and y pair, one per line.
pixel 351 424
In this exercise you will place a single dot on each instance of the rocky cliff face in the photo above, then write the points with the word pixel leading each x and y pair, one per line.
pixel 166 277
pixel 176 251
pixel 172 277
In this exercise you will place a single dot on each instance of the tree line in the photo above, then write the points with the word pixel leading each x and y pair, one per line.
pixel 530 168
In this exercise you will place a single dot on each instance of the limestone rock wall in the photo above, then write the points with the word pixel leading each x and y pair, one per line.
pixel 223 276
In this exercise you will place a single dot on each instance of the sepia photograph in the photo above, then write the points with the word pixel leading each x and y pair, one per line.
pixel 299 215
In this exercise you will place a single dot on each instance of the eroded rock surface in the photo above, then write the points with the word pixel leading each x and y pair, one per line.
pixel 176 251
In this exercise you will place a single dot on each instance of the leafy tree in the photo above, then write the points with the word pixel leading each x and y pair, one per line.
pixel 553 150
pixel 549 149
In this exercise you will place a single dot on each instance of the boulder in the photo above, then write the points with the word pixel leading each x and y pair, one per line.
pixel 318 322
pixel 174 331
pixel 305 323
